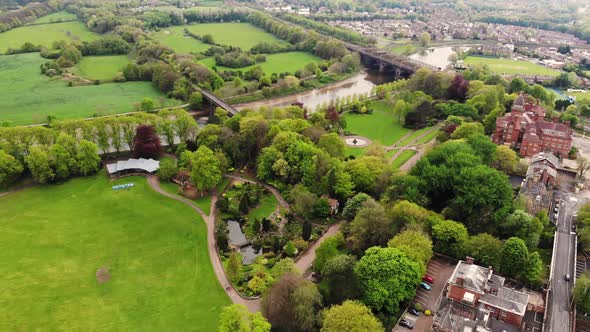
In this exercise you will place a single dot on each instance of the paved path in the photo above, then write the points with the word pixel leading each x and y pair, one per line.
pixel 270 188
pixel 420 148
pixel 304 261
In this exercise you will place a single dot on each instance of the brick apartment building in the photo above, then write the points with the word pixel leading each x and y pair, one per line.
pixel 476 299
pixel 526 130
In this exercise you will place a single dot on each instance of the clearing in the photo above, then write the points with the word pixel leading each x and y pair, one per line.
pixel 45 34
pixel 275 63
pixel 381 126
pixel 101 67
pixel 27 97
pixel 151 252
pixel 511 67
pixel 175 38
pixel 242 35
pixel 61 16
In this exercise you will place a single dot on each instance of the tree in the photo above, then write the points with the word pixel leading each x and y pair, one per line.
pixel 205 172
pixel 61 162
pixel 415 244
pixel 350 316
pixel 87 157
pixel 303 200
pixel 237 318
pixel 10 169
pixel 332 144
pixel 370 227
pixel 425 39
pixel 582 293
pixel 449 237
pixel 167 169
pixel 506 159
pixel 523 225
pixel 306 230
pixel 38 163
pixel 483 147
pixel 583 166
pixel 306 304
pixel 467 129
pixel 234 266
pixel 513 257
pixel 533 269
pixel 290 249
pixel 353 205
pixel 147 104
pixel 196 100
pixel 485 249
pixel 387 278
pixel 328 249
pixel 146 143
pixel 338 279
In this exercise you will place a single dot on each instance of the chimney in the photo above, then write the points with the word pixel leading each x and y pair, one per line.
pixel 469 260
pixel 556 119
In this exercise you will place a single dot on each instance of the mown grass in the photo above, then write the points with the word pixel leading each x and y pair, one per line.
pixel 101 67
pixel 410 139
pixel 381 126
pixel 45 34
pixel 428 137
pixel 511 67
pixel 580 95
pixel 275 63
pixel 174 38
pixel 56 17
pixel 203 202
pixel 27 97
pixel 268 204
pixel 242 35
pixel 54 238
pixel 402 158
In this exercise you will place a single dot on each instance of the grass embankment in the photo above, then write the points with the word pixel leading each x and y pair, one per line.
pixel 511 67
pixel 54 238
pixel 27 97
pixel 402 158
pixel 275 63
pixel 175 38
pixel 380 126
pixel 57 17
pixel 242 35
pixel 101 67
pixel 45 34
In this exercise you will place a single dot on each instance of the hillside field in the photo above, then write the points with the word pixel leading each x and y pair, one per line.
pixel 511 67
pixel 56 17
pixel 101 67
pixel 275 63
pixel 27 97
pixel 242 35
pixel 51 254
pixel 45 34
pixel 174 38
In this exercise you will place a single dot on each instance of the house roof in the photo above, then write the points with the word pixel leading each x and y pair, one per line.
pixel 148 165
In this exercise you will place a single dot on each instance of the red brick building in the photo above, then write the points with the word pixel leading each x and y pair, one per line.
pixel 526 130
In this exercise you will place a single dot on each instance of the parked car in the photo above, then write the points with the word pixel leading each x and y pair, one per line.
pixel 414 312
pixel 567 277
pixel 428 279
pixel 407 324
pixel 425 286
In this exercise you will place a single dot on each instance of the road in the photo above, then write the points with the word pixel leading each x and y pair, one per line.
pixel 564 263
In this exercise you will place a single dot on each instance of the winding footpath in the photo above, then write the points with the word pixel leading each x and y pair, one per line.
pixel 303 262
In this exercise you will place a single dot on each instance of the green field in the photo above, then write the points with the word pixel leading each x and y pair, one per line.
pixel 101 67
pixel 45 34
pixel 275 63
pixel 56 17
pixel 428 137
pixel 174 38
pixel 413 136
pixel 580 95
pixel 54 238
pixel 203 202
pixel 381 126
pixel 511 67
pixel 402 158
pixel 28 97
pixel 242 35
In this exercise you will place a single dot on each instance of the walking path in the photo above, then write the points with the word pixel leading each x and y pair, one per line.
pixel 419 148
pixel 303 262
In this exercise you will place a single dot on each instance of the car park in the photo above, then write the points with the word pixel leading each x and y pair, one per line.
pixel 428 279
pixel 407 324
pixel 425 286
pixel 414 312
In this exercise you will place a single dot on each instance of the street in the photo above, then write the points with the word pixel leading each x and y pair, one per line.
pixel 564 263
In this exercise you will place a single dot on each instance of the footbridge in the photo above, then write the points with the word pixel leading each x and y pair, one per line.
pixel 213 99
pixel 402 66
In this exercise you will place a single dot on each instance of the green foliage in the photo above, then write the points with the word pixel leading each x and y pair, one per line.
pixel 483 148
pixel 234 266
pixel 338 279
pixel 38 163
pixel 533 269
pixel 237 318
pixel 582 294
pixel 329 248
pixel 387 278
pixel 415 244
pixel 449 237
pixel 485 249
pixel 332 144
pixel 354 204
pixel 87 157
pixel 290 249
pixel 513 257
pixel 10 169
pixel 370 227
pixel 365 172
pixel 524 226
pixel 196 100
pixel 468 129
pixel 350 316
pixel 206 172
pixel 167 169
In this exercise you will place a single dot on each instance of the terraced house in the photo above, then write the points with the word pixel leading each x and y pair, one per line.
pixel 526 130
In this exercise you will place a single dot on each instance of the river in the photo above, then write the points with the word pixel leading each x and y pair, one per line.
pixel 358 84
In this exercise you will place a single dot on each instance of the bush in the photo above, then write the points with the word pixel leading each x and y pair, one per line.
pixel 168 169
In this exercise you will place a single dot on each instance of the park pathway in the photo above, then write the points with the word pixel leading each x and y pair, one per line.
pixel 420 148
pixel 303 262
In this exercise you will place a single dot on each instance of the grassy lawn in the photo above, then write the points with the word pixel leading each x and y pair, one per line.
pixel 381 126
pixel 350 151
pixel 511 67
pixel 268 205
pixel 56 17
pixel 428 137
pixel 402 158
pixel 45 34
pixel 174 38
pixel 155 249
pixel 28 97
pixel 101 67
pixel 242 35
pixel 204 202
pixel 580 95
pixel 390 153
pixel 275 63
pixel 404 49
pixel 413 136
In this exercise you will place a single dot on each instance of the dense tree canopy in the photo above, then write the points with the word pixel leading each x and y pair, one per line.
pixel 237 318
pixel 350 316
